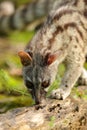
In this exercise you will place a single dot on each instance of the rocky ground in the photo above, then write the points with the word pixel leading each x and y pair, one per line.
pixel 70 114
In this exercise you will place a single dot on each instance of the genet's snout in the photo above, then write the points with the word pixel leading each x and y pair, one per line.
pixel 36 95
pixel 39 95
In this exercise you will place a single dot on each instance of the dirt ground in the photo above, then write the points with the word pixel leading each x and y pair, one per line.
pixel 70 114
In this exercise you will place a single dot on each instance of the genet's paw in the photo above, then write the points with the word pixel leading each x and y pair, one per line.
pixel 59 94
pixel 82 81
pixel 83 78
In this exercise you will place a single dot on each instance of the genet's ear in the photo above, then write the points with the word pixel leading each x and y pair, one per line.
pixel 25 58
pixel 53 57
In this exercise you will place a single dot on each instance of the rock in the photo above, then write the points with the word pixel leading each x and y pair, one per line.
pixel 70 114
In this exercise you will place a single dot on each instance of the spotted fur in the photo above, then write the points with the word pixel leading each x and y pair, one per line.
pixel 63 38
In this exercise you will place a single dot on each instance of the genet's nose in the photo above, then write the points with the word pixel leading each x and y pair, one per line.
pixel 37 102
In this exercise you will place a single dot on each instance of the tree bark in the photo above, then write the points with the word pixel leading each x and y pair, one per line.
pixel 70 114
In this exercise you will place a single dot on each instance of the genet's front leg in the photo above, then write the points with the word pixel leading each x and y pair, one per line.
pixel 74 68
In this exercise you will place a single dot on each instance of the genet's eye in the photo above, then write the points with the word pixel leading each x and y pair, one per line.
pixel 45 84
pixel 29 84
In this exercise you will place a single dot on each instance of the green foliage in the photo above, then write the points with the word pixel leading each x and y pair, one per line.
pixel 10 84
pixel 85 65
pixel 56 83
pixel 19 2
pixel 23 36
pixel 14 61
pixel 79 93
pixel 9 102
pixel 15 94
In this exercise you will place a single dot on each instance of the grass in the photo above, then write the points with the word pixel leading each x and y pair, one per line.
pixel 12 92
pixel 8 83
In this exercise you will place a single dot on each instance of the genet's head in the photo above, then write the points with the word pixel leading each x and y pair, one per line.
pixel 38 72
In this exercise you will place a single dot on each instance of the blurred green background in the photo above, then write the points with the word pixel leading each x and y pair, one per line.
pixel 13 92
